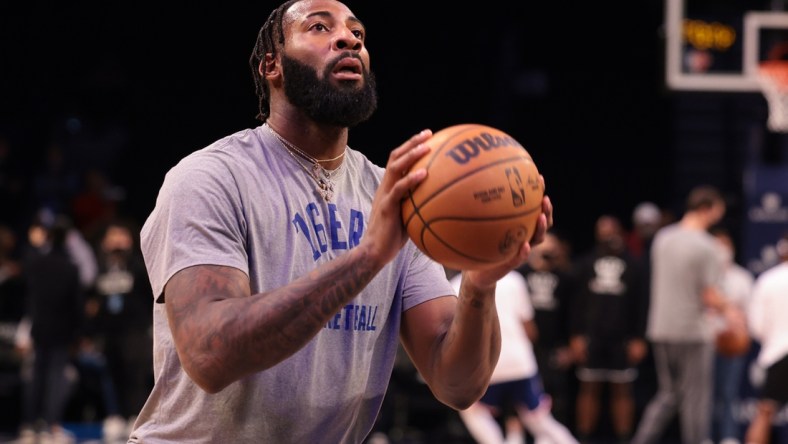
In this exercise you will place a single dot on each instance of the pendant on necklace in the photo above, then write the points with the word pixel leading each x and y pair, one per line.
pixel 326 188
pixel 324 183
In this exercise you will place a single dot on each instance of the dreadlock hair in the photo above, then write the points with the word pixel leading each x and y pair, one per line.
pixel 270 38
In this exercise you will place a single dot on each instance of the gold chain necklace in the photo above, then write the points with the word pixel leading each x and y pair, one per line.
pixel 321 175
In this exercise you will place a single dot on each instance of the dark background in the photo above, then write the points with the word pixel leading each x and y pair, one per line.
pixel 131 87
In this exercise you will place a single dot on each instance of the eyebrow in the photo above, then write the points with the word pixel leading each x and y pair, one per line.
pixel 327 14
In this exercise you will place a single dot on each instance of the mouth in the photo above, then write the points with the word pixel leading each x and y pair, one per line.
pixel 348 68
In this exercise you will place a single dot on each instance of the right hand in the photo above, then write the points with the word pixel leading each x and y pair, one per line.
pixel 579 347
pixel 386 234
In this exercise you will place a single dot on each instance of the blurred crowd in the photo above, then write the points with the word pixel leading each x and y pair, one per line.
pixel 595 350
pixel 75 300
pixel 76 318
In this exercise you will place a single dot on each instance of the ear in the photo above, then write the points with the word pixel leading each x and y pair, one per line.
pixel 269 66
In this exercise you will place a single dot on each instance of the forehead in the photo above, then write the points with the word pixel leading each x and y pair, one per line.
pixel 607 224
pixel 305 9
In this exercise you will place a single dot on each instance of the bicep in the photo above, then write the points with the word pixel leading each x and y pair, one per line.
pixel 190 293
pixel 423 327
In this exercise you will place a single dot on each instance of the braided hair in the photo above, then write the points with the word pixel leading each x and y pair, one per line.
pixel 270 38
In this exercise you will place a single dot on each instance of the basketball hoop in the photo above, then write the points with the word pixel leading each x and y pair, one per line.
pixel 773 78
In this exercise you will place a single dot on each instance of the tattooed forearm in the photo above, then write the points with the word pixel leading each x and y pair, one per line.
pixel 468 352
pixel 477 298
pixel 223 333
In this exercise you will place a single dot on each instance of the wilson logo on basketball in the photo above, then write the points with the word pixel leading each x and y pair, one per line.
pixel 481 199
pixel 466 150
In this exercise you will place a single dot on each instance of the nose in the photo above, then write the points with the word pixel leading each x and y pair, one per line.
pixel 346 40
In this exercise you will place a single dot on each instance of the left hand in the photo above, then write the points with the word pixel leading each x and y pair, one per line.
pixel 636 350
pixel 487 277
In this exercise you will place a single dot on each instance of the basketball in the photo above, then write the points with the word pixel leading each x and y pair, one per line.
pixel 480 201
pixel 732 342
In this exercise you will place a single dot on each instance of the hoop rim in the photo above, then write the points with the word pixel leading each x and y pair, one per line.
pixel 774 71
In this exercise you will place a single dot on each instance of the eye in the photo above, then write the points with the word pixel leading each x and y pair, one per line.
pixel 319 27
pixel 359 34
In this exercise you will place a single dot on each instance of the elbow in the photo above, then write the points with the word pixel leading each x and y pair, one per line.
pixel 462 402
pixel 209 378
pixel 462 397
pixel 209 386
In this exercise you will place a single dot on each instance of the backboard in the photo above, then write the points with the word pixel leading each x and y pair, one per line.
pixel 716 45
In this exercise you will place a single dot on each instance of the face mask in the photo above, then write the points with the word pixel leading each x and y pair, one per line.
pixel 611 245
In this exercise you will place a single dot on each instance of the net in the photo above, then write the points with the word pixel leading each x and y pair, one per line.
pixel 773 78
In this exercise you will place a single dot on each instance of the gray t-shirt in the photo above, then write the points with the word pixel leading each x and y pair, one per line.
pixel 244 202
pixel 684 262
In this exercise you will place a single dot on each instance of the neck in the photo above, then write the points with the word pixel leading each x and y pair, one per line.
pixel 694 221
pixel 318 141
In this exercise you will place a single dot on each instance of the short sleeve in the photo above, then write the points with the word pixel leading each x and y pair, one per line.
pixel 198 220
pixel 424 278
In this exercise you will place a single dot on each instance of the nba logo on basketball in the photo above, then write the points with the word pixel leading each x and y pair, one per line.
pixel 516 187
pixel 459 215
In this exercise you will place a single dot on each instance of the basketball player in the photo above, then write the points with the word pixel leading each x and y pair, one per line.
pixel 515 382
pixel 608 327
pixel 686 275
pixel 767 313
pixel 281 270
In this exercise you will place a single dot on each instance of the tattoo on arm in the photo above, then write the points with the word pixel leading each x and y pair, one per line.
pixel 222 331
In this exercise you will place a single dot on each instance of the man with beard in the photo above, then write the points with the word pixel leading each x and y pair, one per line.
pixel 282 274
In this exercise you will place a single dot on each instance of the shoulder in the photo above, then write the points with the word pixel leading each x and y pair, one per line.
pixel 220 158
pixel 664 233
pixel 742 272
pixel 775 275
pixel 363 164
pixel 367 174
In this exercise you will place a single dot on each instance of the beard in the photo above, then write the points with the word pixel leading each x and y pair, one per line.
pixel 344 105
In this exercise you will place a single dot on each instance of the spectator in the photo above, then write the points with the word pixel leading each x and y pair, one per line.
pixel 124 316
pixel 12 310
pixel 56 300
pixel 646 220
pixel 736 287
pixel 95 204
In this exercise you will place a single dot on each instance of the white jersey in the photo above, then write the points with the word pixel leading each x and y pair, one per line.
pixel 768 313
pixel 243 202
pixel 737 283
pixel 514 308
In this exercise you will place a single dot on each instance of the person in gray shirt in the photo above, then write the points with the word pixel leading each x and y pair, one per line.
pixel 283 276
pixel 686 272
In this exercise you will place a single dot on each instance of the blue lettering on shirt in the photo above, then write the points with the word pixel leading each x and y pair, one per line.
pixel 355 318
pixel 355 228
pixel 300 225
pixel 336 225
pixel 321 227
pixel 361 318
pixel 333 323
pixel 320 231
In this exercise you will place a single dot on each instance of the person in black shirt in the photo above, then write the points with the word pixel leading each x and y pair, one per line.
pixel 56 301
pixel 123 321
pixel 608 326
